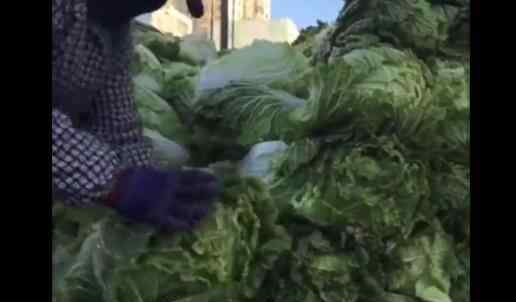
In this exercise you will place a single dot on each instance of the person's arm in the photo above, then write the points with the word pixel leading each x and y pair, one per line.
pixel 86 172
pixel 103 166
pixel 115 120
pixel 83 167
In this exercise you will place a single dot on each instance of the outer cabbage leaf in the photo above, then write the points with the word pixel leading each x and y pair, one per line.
pixel 262 62
pixel 158 115
pixel 371 185
pixel 196 51
pixel 226 258
pixel 367 92
pixel 248 112
pixel 427 264
pixel 167 152
pixel 426 27
pixel 144 61
pixel 259 162
pixel 314 271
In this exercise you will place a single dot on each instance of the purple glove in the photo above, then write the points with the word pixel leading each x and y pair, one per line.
pixel 195 7
pixel 168 199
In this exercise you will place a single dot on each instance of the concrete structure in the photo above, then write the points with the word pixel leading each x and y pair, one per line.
pixel 247 31
pixel 252 10
pixel 170 19
pixel 209 25
pixel 248 20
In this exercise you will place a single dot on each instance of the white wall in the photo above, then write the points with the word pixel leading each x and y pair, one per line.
pixel 281 30
pixel 170 20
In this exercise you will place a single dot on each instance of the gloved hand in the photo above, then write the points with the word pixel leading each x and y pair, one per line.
pixel 195 7
pixel 173 200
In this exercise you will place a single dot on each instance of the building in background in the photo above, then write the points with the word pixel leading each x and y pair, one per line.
pixel 247 20
pixel 171 18
pixel 209 26
pixel 275 30
pixel 252 10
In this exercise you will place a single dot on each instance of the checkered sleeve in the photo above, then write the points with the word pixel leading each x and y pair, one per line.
pixel 116 121
pixel 82 166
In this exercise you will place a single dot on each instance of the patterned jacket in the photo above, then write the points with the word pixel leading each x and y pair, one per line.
pixel 96 130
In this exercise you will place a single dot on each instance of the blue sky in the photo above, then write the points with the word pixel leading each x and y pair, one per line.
pixel 306 12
